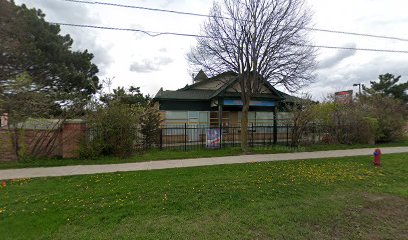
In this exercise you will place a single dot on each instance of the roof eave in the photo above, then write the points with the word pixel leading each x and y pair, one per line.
pixel 181 99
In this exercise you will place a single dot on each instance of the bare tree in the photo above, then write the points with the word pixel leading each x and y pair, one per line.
pixel 260 40
pixel 303 113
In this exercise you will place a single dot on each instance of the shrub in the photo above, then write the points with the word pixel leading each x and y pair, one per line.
pixel 389 113
pixel 369 119
pixel 150 126
pixel 112 130
pixel 303 114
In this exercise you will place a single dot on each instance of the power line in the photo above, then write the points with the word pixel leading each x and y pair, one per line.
pixel 149 33
pixel 358 34
pixel 205 15
pixel 156 34
pixel 138 7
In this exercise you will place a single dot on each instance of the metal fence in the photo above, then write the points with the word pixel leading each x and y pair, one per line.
pixel 188 136
pixel 196 136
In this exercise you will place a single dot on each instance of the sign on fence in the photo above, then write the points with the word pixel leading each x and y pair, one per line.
pixel 213 138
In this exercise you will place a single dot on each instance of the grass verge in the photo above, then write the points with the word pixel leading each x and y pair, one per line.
pixel 344 198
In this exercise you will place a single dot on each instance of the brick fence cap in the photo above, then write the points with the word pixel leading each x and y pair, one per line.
pixel 40 124
pixel 75 121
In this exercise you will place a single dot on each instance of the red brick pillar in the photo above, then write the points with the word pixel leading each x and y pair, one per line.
pixel 6 147
pixel 72 133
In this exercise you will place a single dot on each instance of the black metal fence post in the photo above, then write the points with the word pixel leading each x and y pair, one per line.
pixel 185 136
pixel 233 136
pixel 161 138
pixel 252 134
pixel 202 136
pixel 264 136
pixel 287 134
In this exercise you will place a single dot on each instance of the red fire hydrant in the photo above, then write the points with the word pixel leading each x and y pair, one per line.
pixel 3 183
pixel 377 157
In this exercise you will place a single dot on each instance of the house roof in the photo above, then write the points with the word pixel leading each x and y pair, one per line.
pixel 289 98
pixel 191 93
pixel 185 94
pixel 202 82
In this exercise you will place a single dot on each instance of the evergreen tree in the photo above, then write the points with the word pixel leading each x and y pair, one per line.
pixel 29 44
pixel 132 96
pixel 388 87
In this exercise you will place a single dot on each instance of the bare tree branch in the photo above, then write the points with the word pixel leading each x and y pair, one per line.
pixel 259 40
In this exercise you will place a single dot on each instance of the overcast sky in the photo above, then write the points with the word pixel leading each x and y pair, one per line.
pixel 139 60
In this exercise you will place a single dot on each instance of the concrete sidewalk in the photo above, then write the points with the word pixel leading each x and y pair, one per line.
pixel 154 165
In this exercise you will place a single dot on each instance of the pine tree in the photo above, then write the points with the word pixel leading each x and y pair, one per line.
pixel 388 87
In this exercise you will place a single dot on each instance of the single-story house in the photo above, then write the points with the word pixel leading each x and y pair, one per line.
pixel 216 103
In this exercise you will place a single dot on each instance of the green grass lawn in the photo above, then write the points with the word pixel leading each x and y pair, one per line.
pixel 344 198
pixel 155 155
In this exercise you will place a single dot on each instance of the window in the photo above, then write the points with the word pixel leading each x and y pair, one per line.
pixel 251 118
pixel 204 118
pixel 193 115
pixel 176 115
pixel 198 119
pixel 262 121
pixel 258 118
pixel 264 118
pixel 175 120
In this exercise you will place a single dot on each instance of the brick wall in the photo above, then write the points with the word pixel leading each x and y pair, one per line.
pixel 6 148
pixel 63 142
pixel 46 143
pixel 72 133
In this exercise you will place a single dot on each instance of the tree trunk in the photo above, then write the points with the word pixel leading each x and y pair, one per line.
pixel 244 127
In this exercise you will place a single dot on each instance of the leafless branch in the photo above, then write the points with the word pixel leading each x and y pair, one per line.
pixel 257 38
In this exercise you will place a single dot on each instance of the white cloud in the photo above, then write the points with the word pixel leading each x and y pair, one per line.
pixel 150 65
pixel 132 57
pixel 338 57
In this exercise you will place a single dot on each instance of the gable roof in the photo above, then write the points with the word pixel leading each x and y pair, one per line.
pixel 185 95
pixel 224 88
pixel 217 77
pixel 190 92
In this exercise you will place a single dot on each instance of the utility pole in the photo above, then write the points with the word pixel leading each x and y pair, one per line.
pixel 359 87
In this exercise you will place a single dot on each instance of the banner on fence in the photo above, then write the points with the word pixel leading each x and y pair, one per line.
pixel 213 138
